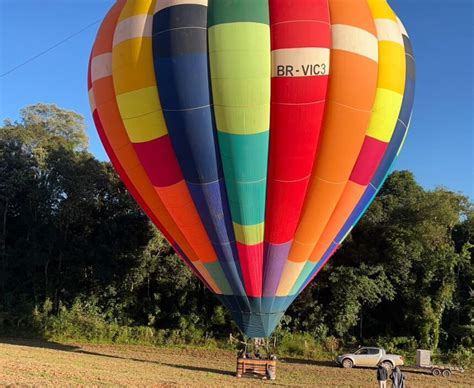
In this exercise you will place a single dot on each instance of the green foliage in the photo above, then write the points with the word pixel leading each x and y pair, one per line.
pixel 80 261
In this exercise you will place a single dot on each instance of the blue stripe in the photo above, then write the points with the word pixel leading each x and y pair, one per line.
pixel 182 74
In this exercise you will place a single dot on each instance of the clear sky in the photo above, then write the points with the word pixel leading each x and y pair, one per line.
pixel 439 148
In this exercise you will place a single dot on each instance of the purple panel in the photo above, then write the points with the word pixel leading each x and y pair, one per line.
pixel 275 257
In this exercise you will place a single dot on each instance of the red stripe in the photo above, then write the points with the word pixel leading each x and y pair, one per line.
pixel 251 262
pixel 296 116
pixel 290 10
pixel 369 159
pixel 301 23
pixel 300 34
pixel 159 161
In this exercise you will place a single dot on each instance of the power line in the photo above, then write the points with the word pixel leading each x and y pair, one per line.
pixel 50 48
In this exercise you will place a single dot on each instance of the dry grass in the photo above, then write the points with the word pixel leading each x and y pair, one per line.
pixel 47 364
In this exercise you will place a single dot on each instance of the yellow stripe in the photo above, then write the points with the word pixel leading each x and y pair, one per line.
pixel 381 10
pixel 137 103
pixel 384 114
pixel 146 128
pixel 133 27
pixel 137 7
pixel 249 234
pixel 133 65
pixel 242 121
pixel 391 75
pixel 392 69
pixel 141 118
pixel 134 77
pixel 290 275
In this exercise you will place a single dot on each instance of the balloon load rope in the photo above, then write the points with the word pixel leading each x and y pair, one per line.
pixel 253 345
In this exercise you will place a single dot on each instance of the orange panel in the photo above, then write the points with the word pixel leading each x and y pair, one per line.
pixel 181 207
pixel 352 12
pixel 351 94
pixel 107 29
pixel 353 73
pixel 351 196
pixel 344 132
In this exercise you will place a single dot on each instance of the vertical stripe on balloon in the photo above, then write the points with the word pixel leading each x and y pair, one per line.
pixel 301 41
pixel 383 120
pixel 119 148
pixel 181 69
pixel 239 55
pixel 140 108
pixel 386 164
pixel 351 95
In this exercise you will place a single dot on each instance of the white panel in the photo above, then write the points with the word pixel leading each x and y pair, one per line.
pixel 355 40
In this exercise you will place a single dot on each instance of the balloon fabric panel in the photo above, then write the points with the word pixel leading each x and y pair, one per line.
pixel 387 105
pixel 350 100
pixel 384 168
pixel 300 68
pixel 253 133
pixel 239 54
pixel 122 148
pixel 140 108
pixel 181 69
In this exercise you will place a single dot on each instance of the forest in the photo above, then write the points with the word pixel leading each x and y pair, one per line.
pixel 79 259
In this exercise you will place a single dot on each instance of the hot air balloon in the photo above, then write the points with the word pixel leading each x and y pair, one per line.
pixel 253 133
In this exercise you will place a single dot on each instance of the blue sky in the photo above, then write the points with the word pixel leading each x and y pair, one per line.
pixel 439 148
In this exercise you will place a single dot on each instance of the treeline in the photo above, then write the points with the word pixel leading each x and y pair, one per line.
pixel 76 249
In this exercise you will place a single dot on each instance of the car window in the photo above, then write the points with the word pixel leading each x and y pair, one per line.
pixel 373 351
pixel 362 351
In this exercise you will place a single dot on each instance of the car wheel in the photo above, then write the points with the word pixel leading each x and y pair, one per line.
pixel 446 373
pixel 436 372
pixel 347 363
pixel 388 365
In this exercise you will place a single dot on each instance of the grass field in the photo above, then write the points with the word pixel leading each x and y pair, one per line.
pixel 26 362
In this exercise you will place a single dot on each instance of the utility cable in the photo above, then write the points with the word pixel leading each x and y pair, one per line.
pixel 29 60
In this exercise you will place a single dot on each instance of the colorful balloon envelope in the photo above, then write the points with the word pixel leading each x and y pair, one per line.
pixel 253 133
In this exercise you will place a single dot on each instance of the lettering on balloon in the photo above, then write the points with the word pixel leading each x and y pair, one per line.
pixel 302 70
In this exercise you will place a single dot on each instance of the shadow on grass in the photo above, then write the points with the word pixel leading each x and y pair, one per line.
pixel 301 361
pixel 38 343
pixel 42 344
pixel 200 369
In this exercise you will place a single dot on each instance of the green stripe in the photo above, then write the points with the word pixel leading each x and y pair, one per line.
pixel 217 274
pixel 244 159
pixel 230 11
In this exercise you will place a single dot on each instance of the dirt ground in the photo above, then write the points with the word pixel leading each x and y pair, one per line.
pixel 37 363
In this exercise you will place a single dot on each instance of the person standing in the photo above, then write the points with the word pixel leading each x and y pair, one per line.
pixel 382 375
pixel 398 378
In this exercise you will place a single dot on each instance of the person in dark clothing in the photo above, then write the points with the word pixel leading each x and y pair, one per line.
pixel 398 378
pixel 382 376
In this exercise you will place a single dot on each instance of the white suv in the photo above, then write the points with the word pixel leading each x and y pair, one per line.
pixel 367 356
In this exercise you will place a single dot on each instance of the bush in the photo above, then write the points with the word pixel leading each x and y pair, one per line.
pixel 300 345
pixel 461 356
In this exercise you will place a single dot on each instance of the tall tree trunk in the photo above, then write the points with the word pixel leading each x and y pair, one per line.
pixel 57 300
pixel 3 248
